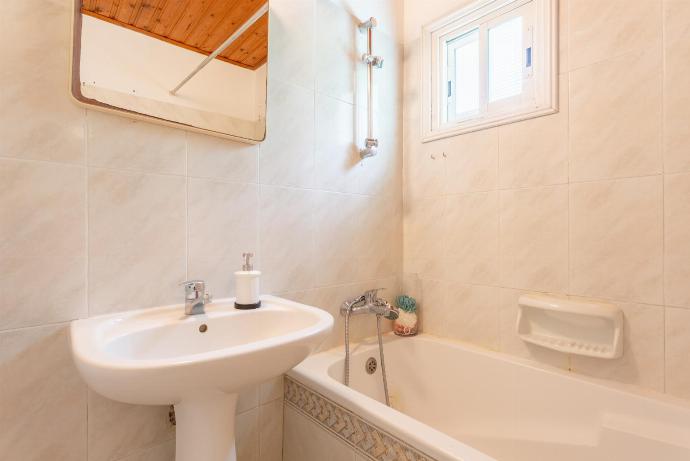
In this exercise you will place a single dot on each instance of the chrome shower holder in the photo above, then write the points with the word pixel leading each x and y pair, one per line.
pixel 376 61
pixel 371 144
pixel 368 24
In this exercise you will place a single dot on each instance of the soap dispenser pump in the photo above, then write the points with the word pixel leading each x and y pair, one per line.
pixel 247 285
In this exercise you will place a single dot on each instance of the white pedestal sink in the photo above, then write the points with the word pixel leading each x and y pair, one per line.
pixel 198 363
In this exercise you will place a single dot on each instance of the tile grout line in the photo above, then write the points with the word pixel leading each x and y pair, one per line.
pixel 315 196
pixel 207 178
pixel 568 147
pixel 663 188
pixel 500 198
pixel 87 252
pixel 573 295
pixel 541 186
pixel 259 202
pixel 186 206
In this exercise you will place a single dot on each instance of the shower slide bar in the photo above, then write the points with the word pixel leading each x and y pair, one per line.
pixel 371 143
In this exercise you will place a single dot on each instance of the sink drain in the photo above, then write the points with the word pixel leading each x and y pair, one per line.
pixel 203 327
pixel 371 365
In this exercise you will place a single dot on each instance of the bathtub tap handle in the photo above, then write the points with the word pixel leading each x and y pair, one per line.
pixel 369 303
pixel 371 296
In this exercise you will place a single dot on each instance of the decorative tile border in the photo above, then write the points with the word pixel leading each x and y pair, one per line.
pixel 364 437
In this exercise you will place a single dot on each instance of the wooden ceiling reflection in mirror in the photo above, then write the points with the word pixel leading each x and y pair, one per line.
pixel 196 25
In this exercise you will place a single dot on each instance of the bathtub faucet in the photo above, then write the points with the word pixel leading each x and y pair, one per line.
pixel 369 303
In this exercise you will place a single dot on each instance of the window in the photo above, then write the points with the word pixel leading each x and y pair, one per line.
pixel 493 62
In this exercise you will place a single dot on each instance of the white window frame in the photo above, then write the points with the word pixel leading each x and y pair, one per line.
pixel 449 68
pixel 543 95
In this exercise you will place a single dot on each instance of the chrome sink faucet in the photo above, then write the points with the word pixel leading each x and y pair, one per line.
pixel 369 303
pixel 195 297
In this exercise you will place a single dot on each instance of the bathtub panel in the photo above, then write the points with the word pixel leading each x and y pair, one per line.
pixel 362 436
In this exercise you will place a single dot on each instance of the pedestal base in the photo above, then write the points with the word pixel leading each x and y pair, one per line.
pixel 206 428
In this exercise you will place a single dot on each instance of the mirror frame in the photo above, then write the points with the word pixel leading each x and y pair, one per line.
pixel 88 103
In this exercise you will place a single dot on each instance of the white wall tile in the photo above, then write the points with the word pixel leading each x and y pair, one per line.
pixel 271 390
pixel 534 239
pixel 337 156
pixel 431 306
pixel 472 238
pixel 117 429
pixel 286 157
pixel 287 234
pixel 222 221
pixel 616 239
pixel 677 352
pixel 425 165
pixel 472 314
pixel 337 228
pixel 533 152
pixel 676 88
pixel 615 118
pixel 247 435
pixel 117 142
pixel 563 40
pixel 42 243
pixel 162 452
pixel 137 240
pixel 211 157
pixel 376 240
pixel 38 120
pixel 424 222
pixel 337 50
pixel 43 400
pixel 291 47
pixel 603 30
pixel 248 399
pixel 472 163
pixel 676 240
pixel 271 430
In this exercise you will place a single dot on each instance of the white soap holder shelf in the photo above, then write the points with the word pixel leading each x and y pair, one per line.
pixel 573 326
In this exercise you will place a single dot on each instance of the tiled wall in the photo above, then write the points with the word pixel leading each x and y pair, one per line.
pixel 99 214
pixel 593 201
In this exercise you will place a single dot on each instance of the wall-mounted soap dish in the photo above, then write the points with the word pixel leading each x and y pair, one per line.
pixel 573 326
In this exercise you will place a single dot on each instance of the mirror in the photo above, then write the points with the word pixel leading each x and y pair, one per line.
pixel 200 64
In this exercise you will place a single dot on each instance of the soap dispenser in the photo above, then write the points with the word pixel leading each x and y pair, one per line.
pixel 247 285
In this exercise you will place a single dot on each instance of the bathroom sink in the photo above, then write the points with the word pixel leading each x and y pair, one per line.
pixel 199 363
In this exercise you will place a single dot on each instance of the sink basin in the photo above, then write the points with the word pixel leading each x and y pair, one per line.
pixel 199 363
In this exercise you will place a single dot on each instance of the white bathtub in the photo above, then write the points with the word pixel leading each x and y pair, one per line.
pixel 455 402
